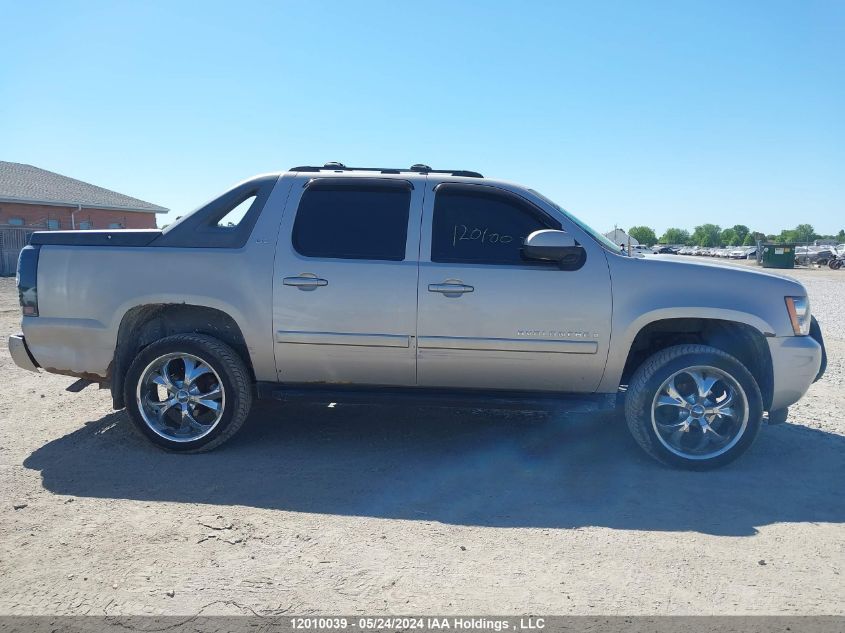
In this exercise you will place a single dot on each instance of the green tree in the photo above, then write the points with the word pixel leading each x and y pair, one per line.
pixel 643 234
pixel 801 234
pixel 805 233
pixel 729 237
pixel 841 235
pixel 749 240
pixel 707 235
pixel 741 232
pixel 675 236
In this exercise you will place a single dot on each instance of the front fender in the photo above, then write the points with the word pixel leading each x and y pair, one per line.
pixel 623 336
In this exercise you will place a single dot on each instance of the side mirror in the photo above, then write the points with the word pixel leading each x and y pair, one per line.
pixel 554 246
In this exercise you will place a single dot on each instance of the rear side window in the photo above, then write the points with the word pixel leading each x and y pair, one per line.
pixel 474 226
pixel 353 222
pixel 236 214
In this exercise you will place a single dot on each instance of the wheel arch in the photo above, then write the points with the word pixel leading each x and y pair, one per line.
pixel 740 339
pixel 144 324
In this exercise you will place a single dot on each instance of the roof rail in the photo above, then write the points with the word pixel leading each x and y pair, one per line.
pixel 419 168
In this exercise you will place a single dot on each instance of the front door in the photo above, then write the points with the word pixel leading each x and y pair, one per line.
pixel 344 291
pixel 490 319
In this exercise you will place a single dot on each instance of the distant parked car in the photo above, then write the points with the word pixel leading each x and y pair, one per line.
pixel 742 253
pixel 666 250
pixel 813 255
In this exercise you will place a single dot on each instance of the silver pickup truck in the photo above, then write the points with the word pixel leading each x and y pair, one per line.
pixel 336 284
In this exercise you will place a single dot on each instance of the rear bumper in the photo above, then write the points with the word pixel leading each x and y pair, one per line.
pixel 21 354
pixel 796 364
pixel 72 347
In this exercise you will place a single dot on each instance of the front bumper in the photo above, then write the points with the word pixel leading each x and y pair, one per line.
pixel 796 364
pixel 816 333
pixel 21 354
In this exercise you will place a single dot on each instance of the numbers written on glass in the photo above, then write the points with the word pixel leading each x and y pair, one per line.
pixel 461 232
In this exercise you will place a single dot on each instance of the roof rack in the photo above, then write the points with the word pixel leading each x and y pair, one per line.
pixel 418 168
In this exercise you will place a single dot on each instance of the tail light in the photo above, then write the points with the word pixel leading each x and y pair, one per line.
pixel 27 280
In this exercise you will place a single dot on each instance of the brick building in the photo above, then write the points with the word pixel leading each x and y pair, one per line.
pixel 37 199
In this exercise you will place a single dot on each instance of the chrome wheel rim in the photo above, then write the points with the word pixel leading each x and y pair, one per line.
pixel 699 412
pixel 180 397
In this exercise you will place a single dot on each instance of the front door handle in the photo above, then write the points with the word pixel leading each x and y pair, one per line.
pixel 450 288
pixel 304 282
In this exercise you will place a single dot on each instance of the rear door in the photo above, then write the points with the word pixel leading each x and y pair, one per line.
pixel 490 319
pixel 345 285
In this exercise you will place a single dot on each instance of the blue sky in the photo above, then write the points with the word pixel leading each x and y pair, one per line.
pixel 658 113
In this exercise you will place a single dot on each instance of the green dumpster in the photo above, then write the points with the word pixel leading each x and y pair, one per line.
pixel 778 255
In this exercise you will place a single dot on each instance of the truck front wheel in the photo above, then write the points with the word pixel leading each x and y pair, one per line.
pixel 188 392
pixel 693 406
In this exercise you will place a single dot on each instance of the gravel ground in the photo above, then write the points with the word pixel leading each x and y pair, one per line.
pixel 391 510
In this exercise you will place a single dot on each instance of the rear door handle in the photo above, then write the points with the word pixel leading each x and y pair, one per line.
pixel 450 288
pixel 305 283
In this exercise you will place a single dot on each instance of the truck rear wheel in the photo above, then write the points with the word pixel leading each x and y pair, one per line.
pixel 693 406
pixel 188 392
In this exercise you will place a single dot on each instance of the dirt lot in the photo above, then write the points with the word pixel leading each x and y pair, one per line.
pixel 389 510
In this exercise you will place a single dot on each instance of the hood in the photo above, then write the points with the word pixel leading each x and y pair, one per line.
pixel 669 286
pixel 721 264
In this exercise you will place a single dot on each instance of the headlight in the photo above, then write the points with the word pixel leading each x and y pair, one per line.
pixel 799 314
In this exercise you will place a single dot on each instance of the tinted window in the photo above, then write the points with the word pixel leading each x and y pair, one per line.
pixel 345 222
pixel 481 227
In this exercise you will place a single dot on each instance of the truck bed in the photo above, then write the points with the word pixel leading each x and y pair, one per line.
pixel 118 237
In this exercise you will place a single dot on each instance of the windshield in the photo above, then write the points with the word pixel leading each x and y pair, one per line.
pixel 598 237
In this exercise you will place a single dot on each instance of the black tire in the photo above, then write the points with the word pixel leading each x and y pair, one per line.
pixel 234 380
pixel 651 375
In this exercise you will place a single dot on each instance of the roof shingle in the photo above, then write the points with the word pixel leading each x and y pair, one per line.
pixel 25 183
